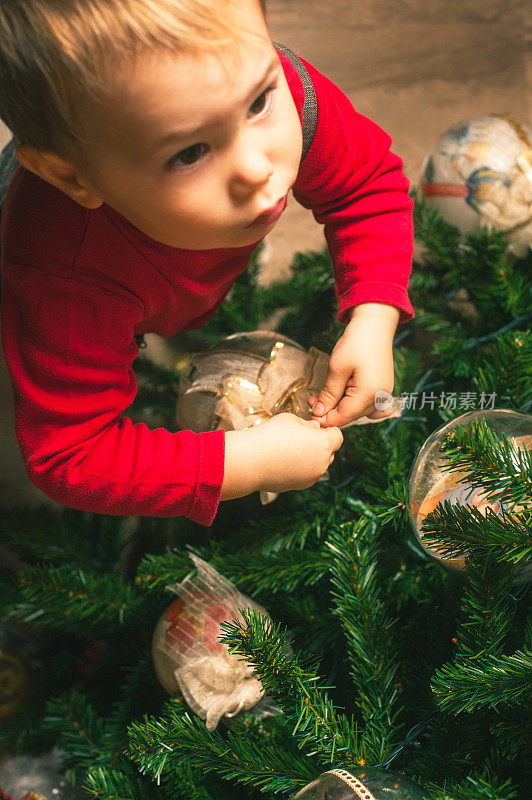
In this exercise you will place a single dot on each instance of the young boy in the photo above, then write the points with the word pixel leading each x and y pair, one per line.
pixel 159 140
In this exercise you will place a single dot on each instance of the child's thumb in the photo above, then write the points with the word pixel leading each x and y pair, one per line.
pixel 331 394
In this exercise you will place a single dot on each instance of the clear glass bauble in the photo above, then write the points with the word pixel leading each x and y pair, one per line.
pixel 247 378
pixel 429 483
pixel 372 783
pixel 480 173
pixel 37 776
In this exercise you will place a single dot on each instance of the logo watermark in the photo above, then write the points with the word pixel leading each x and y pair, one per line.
pixel 383 400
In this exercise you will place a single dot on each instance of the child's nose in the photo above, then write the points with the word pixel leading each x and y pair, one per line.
pixel 251 170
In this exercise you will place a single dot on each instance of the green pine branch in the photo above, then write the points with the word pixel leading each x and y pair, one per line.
pixel 81 732
pixel 512 284
pixel 138 681
pixel 309 520
pixel 294 520
pixel 159 571
pixel 317 727
pixel 440 239
pixel 477 788
pixel 24 732
pixel 157 390
pixel 103 783
pixel 393 508
pixel 510 733
pixel 503 366
pixel 309 612
pixel 488 683
pixel 503 469
pixel 486 611
pixel 483 260
pixel 163 745
pixel 480 264
pixel 367 628
pixel 65 537
pixel 62 597
pixel 285 571
pixel 463 530
pixel 528 630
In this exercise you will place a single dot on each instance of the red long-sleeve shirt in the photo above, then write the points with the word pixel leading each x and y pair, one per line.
pixel 79 284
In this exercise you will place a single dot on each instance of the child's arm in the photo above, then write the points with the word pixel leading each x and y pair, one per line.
pixel 356 188
pixel 283 453
pixel 69 346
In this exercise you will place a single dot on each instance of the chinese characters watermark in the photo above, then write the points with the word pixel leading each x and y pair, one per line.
pixel 451 401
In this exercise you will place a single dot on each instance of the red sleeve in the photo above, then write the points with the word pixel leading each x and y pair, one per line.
pixel 356 188
pixel 69 347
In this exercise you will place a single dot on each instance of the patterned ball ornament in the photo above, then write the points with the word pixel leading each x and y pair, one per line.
pixel 480 174
pixel 369 784
pixel 430 483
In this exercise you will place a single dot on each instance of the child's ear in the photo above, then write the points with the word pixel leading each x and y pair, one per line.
pixel 59 172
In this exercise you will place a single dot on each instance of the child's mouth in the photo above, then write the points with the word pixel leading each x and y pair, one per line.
pixel 271 215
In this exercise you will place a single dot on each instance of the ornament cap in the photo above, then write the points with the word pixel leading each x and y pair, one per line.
pixel 372 783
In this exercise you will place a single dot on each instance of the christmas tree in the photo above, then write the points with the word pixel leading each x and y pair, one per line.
pixel 376 655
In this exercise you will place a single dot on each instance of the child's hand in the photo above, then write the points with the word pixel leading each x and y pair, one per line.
pixel 283 453
pixel 360 364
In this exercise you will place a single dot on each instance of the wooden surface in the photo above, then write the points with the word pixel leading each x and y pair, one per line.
pixel 414 66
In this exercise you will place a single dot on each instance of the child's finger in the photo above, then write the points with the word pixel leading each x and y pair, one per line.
pixel 348 409
pixel 314 423
pixel 336 437
pixel 380 414
pixel 332 391
pixel 339 439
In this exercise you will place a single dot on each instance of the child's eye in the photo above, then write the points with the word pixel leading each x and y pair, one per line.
pixel 189 156
pixel 262 101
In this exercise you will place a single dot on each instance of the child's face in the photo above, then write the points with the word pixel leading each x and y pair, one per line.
pixel 194 148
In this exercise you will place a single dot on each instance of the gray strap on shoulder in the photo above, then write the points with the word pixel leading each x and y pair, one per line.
pixel 310 106
pixel 8 165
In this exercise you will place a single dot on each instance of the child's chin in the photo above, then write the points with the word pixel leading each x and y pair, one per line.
pixel 255 234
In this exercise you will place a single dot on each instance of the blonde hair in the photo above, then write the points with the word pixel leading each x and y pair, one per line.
pixel 54 51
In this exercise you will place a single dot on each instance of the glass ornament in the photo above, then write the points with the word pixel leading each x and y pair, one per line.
pixel 429 483
pixel 372 783
pixel 37 777
pixel 480 173
pixel 247 378
pixel 190 659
